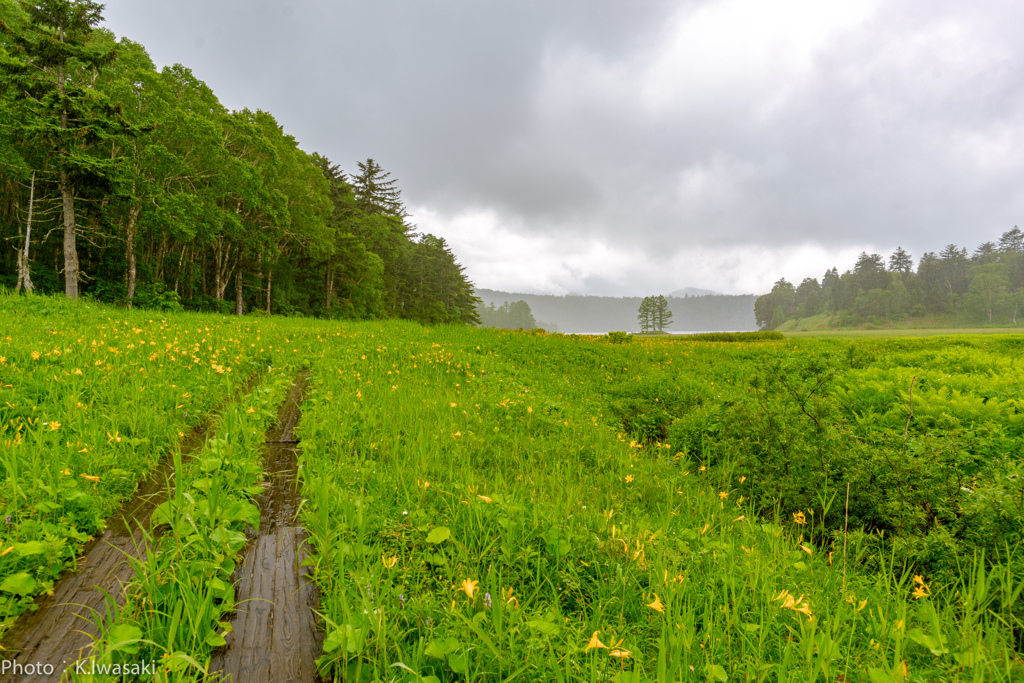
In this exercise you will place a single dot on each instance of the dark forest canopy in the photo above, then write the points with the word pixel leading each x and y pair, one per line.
pixel 985 287
pixel 136 186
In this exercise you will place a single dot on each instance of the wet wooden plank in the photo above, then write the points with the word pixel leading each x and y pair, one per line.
pixel 60 631
pixel 275 636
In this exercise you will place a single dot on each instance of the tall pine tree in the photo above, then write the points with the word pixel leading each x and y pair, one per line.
pixel 51 71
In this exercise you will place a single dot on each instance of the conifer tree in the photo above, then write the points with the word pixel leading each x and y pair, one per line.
pixel 51 73
pixel 645 314
pixel 661 317
pixel 375 192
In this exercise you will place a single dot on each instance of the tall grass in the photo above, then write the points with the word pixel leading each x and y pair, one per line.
pixel 493 505
pixel 476 516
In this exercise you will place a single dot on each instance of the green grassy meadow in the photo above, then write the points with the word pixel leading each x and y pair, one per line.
pixel 494 505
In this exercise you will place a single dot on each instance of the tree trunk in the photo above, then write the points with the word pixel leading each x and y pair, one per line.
pixel 239 301
pixel 70 250
pixel 67 195
pixel 133 217
pixel 330 284
pixel 177 273
pixel 24 278
pixel 161 253
pixel 222 267
pixel 270 273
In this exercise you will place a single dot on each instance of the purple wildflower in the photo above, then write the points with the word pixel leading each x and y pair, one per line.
pixel 487 600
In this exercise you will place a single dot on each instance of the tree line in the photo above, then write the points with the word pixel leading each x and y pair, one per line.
pixel 136 185
pixel 511 315
pixel 986 286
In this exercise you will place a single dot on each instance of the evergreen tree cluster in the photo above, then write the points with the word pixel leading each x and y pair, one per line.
pixel 653 314
pixel 511 315
pixel 984 287
pixel 136 186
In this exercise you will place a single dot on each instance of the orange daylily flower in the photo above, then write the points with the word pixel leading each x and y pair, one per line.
pixel 656 605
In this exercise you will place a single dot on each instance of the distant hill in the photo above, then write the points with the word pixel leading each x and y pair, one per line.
pixel 601 314
pixel 693 291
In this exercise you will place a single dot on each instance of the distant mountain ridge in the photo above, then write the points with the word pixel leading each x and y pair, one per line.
pixel 599 314
pixel 693 291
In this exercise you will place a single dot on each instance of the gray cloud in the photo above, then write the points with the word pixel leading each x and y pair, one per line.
pixel 702 138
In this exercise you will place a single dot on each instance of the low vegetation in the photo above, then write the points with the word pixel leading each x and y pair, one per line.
pixel 499 505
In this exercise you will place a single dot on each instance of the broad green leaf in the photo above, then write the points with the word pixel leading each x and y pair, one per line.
pixel 458 663
pixel 242 511
pixel 19 584
pixel 439 535
pixel 123 637
pixel 30 548
pixel 441 647
pixel 215 639
pixel 347 637
pixel 546 627
pixel 717 672
pixel 880 676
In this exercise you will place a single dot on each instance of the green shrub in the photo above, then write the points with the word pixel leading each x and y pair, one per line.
pixel 761 335
pixel 619 337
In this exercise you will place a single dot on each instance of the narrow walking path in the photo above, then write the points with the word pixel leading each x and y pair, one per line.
pixel 274 629
pixel 60 632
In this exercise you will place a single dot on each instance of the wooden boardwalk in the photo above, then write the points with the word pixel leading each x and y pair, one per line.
pixel 274 629
pixel 275 636
pixel 60 632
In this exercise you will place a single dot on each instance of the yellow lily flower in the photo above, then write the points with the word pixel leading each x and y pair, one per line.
pixel 595 642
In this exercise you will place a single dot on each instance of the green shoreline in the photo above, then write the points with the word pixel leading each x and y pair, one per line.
pixel 905 332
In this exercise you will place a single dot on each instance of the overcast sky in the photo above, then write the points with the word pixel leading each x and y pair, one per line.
pixel 633 148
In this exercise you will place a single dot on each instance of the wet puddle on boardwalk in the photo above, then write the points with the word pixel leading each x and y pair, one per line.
pixel 274 629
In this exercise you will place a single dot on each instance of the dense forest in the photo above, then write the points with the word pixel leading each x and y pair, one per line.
pixel 600 314
pixel 986 287
pixel 134 185
pixel 511 315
